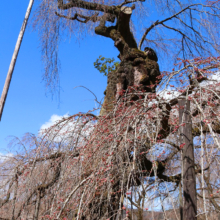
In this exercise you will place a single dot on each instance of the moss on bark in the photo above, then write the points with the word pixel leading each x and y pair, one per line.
pixel 134 70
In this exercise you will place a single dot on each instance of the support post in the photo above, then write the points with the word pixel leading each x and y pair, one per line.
pixel 14 58
pixel 180 201
pixel 189 177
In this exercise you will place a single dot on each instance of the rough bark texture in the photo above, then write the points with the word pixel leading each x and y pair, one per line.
pixel 135 69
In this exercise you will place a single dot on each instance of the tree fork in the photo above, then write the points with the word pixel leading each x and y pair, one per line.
pixel 189 177
pixel 120 33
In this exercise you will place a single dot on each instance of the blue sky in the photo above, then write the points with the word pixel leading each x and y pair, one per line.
pixel 28 106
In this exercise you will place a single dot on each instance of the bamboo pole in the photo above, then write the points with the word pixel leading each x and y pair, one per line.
pixel 14 58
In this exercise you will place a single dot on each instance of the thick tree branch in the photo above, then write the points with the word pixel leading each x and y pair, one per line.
pixel 93 18
pixel 88 5
pixel 129 2
pixel 76 16
pixel 121 33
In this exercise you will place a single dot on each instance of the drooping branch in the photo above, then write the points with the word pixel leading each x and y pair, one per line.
pixel 184 36
pixel 175 29
pixel 41 188
pixel 11 183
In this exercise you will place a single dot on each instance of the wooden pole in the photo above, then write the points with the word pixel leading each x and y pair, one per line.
pixel 14 58
pixel 189 177
pixel 181 201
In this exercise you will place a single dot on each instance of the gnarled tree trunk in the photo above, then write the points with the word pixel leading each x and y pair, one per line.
pixel 135 68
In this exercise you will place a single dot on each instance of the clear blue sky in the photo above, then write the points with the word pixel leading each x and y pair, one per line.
pixel 28 107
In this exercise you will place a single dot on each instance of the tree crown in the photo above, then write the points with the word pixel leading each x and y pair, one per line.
pixel 174 29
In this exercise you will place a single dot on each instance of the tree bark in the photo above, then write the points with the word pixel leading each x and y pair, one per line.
pixel 14 58
pixel 120 33
pixel 189 177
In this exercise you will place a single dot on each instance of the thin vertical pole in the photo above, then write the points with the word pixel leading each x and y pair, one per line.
pixel 189 177
pixel 180 201
pixel 14 58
